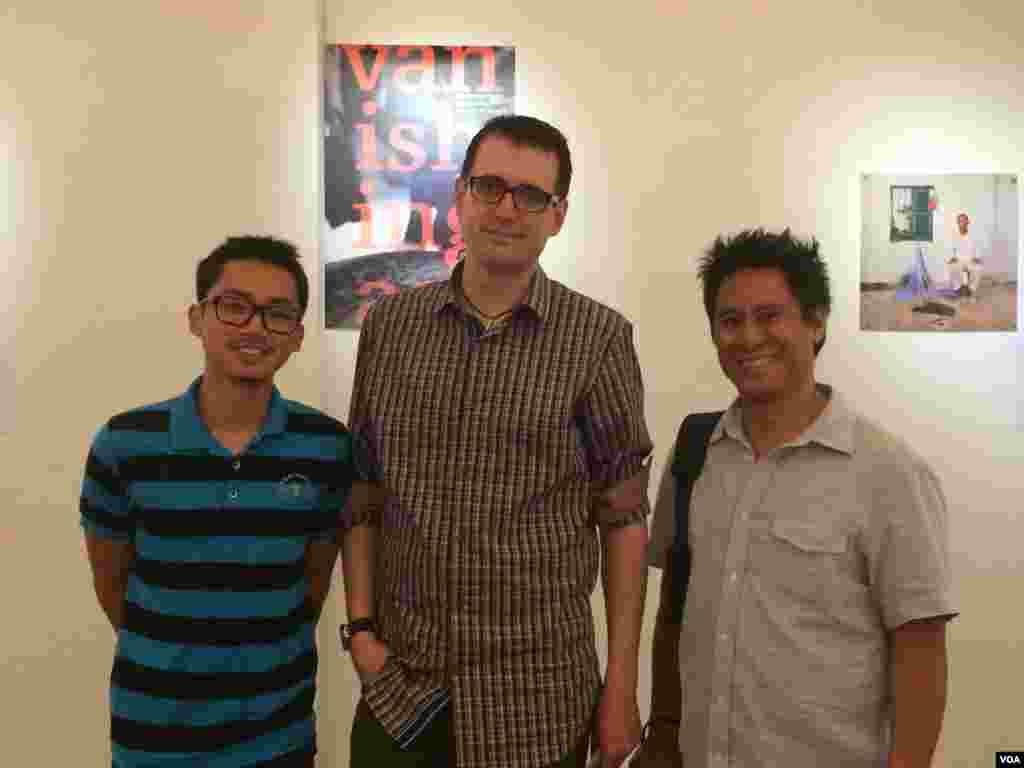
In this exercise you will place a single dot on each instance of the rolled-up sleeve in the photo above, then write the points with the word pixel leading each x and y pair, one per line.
pixel 618 447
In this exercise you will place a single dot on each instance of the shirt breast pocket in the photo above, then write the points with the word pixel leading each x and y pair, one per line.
pixel 800 559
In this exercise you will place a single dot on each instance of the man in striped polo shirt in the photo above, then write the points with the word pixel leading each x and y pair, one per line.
pixel 210 524
pixel 502 415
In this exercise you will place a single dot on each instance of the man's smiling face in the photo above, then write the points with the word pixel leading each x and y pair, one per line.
pixel 765 343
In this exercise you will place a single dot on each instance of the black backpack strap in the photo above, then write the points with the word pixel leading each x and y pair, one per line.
pixel 687 463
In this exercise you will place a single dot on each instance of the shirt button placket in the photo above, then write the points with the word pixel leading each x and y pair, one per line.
pixel 458 632
pixel 236 464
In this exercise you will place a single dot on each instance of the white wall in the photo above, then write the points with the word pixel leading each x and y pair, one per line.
pixel 143 134
pixel 138 135
pixel 990 200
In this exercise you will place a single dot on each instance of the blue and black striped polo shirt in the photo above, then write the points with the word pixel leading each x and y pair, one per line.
pixel 216 660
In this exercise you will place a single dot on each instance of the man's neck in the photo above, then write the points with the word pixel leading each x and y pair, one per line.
pixel 769 424
pixel 493 294
pixel 233 409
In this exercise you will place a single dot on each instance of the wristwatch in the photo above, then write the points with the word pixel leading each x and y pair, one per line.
pixel 354 627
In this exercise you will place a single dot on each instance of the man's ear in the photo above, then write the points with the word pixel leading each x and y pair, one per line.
pixel 459 191
pixel 297 336
pixel 561 210
pixel 459 197
pixel 820 324
pixel 195 316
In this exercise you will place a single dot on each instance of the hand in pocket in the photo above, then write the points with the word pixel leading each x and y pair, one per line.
pixel 369 656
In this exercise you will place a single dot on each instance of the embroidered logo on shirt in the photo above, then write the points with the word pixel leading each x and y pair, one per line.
pixel 295 489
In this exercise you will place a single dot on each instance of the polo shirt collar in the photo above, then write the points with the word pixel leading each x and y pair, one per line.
pixel 834 427
pixel 538 295
pixel 189 432
pixel 730 425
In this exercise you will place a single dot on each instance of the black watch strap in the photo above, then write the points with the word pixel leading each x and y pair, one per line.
pixel 353 628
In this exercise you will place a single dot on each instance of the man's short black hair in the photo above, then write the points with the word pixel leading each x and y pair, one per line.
pixel 525 131
pixel 269 250
pixel 798 260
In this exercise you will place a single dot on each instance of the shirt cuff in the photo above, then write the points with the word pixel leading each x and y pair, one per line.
pixel 916 608
pixel 625 501
pixel 364 507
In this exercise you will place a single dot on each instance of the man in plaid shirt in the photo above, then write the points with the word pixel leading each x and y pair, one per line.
pixel 499 416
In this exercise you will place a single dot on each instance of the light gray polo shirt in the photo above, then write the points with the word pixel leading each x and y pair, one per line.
pixel 802 561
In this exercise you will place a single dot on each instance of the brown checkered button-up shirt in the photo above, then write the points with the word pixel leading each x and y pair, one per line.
pixel 493 449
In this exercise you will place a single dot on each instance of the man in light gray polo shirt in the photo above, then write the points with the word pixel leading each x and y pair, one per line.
pixel 814 631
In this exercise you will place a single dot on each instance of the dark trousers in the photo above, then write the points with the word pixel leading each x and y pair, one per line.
pixel 373 747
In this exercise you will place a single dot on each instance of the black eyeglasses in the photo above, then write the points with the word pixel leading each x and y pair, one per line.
pixel 525 197
pixel 234 310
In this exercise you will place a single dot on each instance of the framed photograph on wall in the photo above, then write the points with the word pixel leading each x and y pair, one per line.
pixel 939 252
pixel 397 121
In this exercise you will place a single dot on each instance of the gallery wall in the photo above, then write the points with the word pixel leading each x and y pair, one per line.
pixel 136 136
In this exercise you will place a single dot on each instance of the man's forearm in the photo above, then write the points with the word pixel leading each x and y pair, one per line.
pixel 111 600
pixel 625 586
pixel 358 557
pixel 919 671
